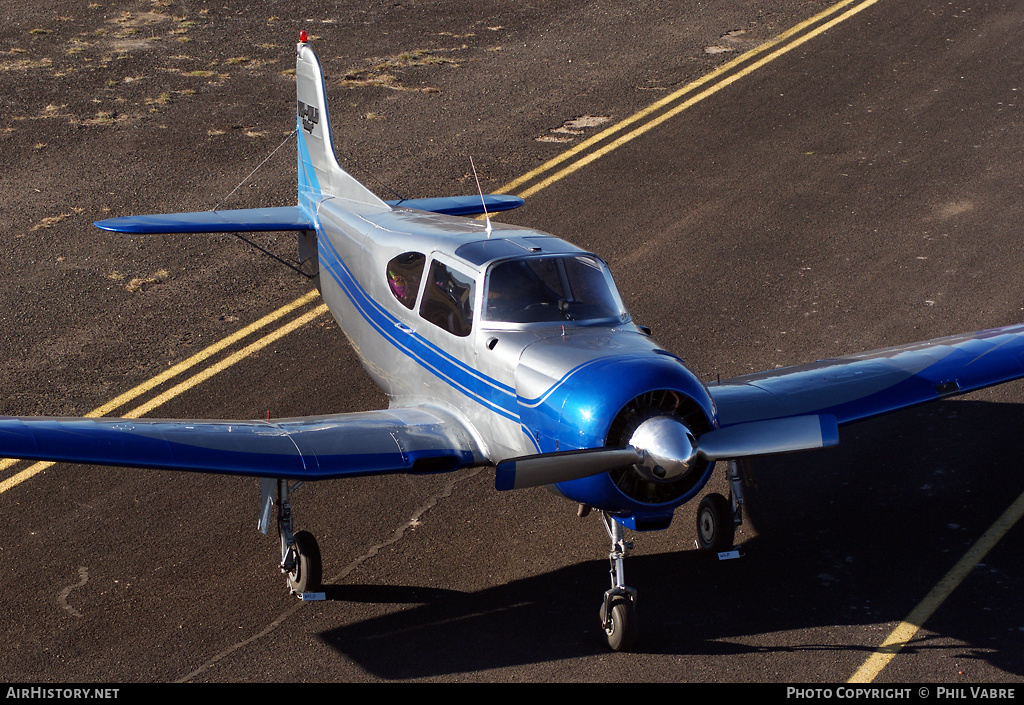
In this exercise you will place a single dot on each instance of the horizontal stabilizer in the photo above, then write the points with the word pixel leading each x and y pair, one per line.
pixel 461 205
pixel 245 220
pixel 288 218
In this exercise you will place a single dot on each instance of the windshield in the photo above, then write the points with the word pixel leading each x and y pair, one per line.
pixel 552 289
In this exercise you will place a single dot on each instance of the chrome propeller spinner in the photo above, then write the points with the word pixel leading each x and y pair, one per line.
pixel 666 448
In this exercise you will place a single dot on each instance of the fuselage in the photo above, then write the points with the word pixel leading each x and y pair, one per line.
pixel 518 334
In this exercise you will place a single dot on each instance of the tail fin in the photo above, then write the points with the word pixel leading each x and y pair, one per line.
pixel 320 175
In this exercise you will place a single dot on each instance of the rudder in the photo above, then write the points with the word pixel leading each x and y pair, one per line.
pixel 320 175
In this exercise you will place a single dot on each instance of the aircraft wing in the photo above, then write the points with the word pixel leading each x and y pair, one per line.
pixel 856 387
pixel 416 440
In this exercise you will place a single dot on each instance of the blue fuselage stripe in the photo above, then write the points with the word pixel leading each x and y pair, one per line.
pixel 489 392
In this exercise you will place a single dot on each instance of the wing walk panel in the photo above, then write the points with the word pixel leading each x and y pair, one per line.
pixel 860 386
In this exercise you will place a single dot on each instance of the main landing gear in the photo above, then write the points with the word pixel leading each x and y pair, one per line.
pixel 300 553
pixel 715 529
pixel 718 517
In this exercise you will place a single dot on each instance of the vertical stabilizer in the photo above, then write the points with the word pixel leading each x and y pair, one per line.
pixel 320 175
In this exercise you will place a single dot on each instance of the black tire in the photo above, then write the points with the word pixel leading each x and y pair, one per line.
pixel 308 571
pixel 715 527
pixel 621 633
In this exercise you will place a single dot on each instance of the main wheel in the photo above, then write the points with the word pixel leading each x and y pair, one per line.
pixel 621 632
pixel 715 528
pixel 308 570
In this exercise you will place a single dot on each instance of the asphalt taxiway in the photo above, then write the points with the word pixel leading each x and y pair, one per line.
pixel 854 183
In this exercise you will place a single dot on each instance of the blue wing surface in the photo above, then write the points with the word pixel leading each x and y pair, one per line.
pixel 856 387
pixel 248 220
pixel 413 440
pixel 289 218
pixel 461 205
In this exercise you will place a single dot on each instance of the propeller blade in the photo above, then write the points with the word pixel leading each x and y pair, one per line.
pixel 664 449
pixel 550 468
pixel 769 437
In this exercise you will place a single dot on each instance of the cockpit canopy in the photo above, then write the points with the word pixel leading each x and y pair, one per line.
pixel 552 289
pixel 557 288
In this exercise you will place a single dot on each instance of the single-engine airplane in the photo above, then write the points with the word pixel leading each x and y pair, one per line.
pixel 505 347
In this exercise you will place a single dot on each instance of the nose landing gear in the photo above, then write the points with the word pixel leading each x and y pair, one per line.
pixel 618 611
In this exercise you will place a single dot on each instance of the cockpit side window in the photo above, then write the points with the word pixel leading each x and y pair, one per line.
pixel 448 299
pixel 404 273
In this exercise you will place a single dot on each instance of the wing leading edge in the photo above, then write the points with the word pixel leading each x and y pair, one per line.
pixel 413 440
pixel 856 387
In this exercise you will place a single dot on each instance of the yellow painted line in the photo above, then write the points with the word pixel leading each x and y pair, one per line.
pixel 191 362
pixel 29 472
pixel 905 631
pixel 671 98
pixel 192 381
pixel 227 362
pixel 203 355
pixel 654 122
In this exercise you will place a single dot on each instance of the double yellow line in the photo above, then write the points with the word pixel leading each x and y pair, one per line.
pixel 671 105
pixel 181 368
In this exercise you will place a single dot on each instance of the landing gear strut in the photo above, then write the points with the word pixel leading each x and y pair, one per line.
pixel 618 611
pixel 300 554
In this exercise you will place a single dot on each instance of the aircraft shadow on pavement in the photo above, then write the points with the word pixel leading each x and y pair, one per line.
pixel 847 537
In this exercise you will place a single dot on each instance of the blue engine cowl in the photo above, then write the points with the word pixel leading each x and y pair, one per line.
pixel 594 390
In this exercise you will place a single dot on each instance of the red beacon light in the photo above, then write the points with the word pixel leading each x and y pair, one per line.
pixel 303 37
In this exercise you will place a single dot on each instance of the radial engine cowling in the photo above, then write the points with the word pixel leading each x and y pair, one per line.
pixel 664 424
pixel 646 399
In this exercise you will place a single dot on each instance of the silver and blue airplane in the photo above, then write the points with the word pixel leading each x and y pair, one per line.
pixel 509 348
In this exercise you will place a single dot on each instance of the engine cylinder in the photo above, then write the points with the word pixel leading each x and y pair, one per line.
pixel 642 486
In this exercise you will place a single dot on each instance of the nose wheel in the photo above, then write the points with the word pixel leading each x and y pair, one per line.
pixel 620 627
